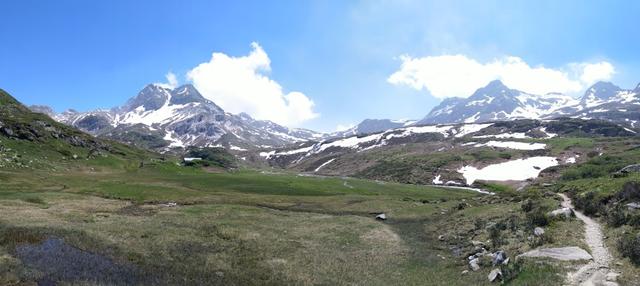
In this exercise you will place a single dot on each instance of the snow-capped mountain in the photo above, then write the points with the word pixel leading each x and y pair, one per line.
pixel 496 102
pixel 368 126
pixel 161 118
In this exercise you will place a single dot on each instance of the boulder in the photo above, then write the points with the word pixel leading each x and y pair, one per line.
pixel 560 253
pixel 538 231
pixel 441 237
pixel 494 275
pixel 630 169
pixel 612 277
pixel 562 213
pixel 499 257
pixel 474 264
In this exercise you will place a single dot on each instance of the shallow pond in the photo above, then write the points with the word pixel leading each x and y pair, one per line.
pixel 60 262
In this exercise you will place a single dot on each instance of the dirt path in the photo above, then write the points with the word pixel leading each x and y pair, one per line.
pixel 597 271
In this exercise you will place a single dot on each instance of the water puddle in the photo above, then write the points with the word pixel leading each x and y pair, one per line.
pixel 60 262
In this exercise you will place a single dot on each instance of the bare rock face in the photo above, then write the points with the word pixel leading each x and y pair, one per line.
pixel 560 253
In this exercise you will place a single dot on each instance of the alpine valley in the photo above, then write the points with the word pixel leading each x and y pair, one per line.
pixel 169 189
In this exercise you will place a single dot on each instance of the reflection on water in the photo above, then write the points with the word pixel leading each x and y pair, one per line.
pixel 59 262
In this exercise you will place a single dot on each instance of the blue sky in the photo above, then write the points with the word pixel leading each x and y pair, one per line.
pixel 338 54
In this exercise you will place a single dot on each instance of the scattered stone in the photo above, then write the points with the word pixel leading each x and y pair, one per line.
pixel 494 274
pixel 633 206
pixel 612 277
pixel 464 272
pixel 441 237
pixel 170 205
pixel 499 257
pixel 477 243
pixel 562 212
pixel 538 231
pixel 381 217
pixel 560 253
pixel 474 264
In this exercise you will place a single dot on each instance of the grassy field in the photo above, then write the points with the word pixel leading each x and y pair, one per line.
pixel 249 227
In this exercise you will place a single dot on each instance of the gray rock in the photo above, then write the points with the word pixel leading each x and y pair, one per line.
pixel 477 243
pixel 633 206
pixel 538 231
pixel 473 264
pixel 494 274
pixel 612 276
pixel 499 257
pixel 560 253
pixel 562 212
pixel 635 168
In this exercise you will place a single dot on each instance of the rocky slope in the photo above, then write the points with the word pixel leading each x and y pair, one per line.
pixel 441 153
pixel 32 139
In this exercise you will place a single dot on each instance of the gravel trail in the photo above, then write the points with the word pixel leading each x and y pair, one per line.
pixel 597 271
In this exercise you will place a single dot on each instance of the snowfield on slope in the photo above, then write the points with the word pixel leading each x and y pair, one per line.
pixel 514 170
pixel 362 143
pixel 513 145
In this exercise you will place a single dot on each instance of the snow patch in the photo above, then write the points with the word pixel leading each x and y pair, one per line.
pixel 514 170
pixel 513 145
pixel 324 164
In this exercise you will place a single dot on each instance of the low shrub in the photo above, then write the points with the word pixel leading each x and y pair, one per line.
pixel 629 246
pixel 616 215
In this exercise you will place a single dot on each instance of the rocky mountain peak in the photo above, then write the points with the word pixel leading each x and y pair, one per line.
pixel 494 89
pixel 601 90
pixel 152 97
pixel 186 94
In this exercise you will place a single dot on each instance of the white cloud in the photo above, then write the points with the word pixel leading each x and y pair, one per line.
pixel 459 76
pixel 597 71
pixel 241 84
pixel 172 81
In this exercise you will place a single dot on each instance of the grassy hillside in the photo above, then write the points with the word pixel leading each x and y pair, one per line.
pixel 30 140
pixel 253 228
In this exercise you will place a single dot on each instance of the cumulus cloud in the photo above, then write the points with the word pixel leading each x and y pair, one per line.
pixel 241 84
pixel 172 81
pixel 459 76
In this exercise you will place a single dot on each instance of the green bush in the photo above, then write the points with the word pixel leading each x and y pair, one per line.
pixel 616 215
pixel 511 270
pixel 495 234
pixel 589 203
pixel 211 157
pixel 536 217
pixel 629 246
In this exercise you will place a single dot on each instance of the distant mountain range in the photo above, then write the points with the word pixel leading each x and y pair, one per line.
pixel 497 102
pixel 161 118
